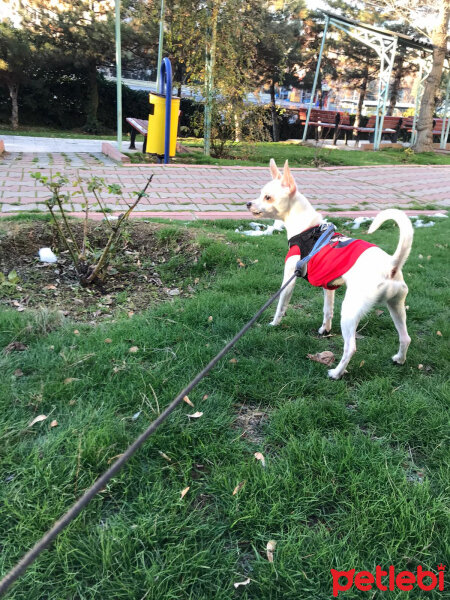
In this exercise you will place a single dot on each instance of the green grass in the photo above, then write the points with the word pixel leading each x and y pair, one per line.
pixel 357 470
pixel 306 156
pixel 54 133
pixel 258 154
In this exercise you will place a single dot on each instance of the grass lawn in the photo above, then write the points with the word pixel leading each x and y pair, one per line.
pixel 357 471
pixel 257 154
pixel 53 133
pixel 300 156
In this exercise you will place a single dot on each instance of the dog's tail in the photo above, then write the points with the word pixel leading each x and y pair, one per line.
pixel 406 235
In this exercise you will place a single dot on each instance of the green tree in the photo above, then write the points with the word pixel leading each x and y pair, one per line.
pixel 413 13
pixel 278 49
pixel 81 32
pixel 17 55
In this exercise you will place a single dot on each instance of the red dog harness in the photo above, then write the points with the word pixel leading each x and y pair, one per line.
pixel 332 261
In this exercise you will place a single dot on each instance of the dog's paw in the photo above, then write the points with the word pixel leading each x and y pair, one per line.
pixel 274 323
pixel 398 359
pixel 323 331
pixel 334 374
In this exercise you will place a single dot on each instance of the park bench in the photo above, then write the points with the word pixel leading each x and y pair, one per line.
pixel 345 126
pixel 391 127
pixel 137 126
pixel 320 120
pixel 406 128
pixel 437 127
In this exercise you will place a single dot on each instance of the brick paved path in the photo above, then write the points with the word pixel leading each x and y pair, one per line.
pixel 183 191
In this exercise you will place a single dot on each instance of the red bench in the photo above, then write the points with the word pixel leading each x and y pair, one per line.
pixel 320 120
pixel 391 127
pixel 437 127
pixel 345 126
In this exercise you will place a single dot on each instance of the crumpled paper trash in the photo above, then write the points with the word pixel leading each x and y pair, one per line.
pixel 46 255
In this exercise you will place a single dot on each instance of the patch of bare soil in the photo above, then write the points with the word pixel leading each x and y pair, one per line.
pixel 251 420
pixel 153 263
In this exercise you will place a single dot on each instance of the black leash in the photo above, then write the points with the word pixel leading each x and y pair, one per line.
pixel 76 508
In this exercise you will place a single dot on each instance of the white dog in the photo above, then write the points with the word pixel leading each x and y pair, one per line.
pixel 370 274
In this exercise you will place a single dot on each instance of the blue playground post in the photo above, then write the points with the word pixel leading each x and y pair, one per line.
pixel 165 80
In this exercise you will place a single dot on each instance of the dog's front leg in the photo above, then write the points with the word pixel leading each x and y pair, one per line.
pixel 285 296
pixel 328 307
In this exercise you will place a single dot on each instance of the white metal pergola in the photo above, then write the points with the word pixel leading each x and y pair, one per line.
pixel 385 43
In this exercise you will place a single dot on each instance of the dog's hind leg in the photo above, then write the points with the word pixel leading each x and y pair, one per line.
pixel 289 270
pixel 396 306
pixel 328 307
pixel 352 311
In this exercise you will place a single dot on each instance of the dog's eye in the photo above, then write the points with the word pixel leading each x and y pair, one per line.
pixel 268 198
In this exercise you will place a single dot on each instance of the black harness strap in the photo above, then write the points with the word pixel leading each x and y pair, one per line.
pixel 306 241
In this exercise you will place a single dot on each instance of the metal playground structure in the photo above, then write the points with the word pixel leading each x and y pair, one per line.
pixel 385 43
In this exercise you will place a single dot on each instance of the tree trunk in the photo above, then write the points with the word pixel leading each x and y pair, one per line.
pixel 362 95
pixel 14 95
pixel 395 88
pixel 92 125
pixel 210 60
pixel 273 108
pixel 424 141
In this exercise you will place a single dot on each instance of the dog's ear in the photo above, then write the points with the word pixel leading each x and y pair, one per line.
pixel 274 170
pixel 288 180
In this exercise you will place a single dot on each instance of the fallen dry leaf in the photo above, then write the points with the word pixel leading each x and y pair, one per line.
pixel 240 263
pixel 185 491
pixel 113 458
pixel 130 313
pixel 37 419
pixel 362 363
pixel 239 487
pixel 133 349
pixel 325 358
pixel 379 312
pixel 196 415
pixel 15 347
pixel 18 373
pixel 76 332
pixel 270 549
pixel 260 456
pixel 239 583
pixel 210 319
pixel 439 333
pixel 54 423
pixel 420 367
pixel 72 402
pixel 108 341
pixel 205 397
pixel 186 399
pixel 233 361
pixel 70 380
pixel 165 456
pixel 50 287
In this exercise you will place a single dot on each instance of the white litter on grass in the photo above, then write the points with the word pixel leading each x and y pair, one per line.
pixel 441 215
pixel 112 218
pixel 359 220
pixel 262 228
pixel 419 223
pixel 46 255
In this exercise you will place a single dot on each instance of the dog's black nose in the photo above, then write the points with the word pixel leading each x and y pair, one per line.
pixel 249 204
